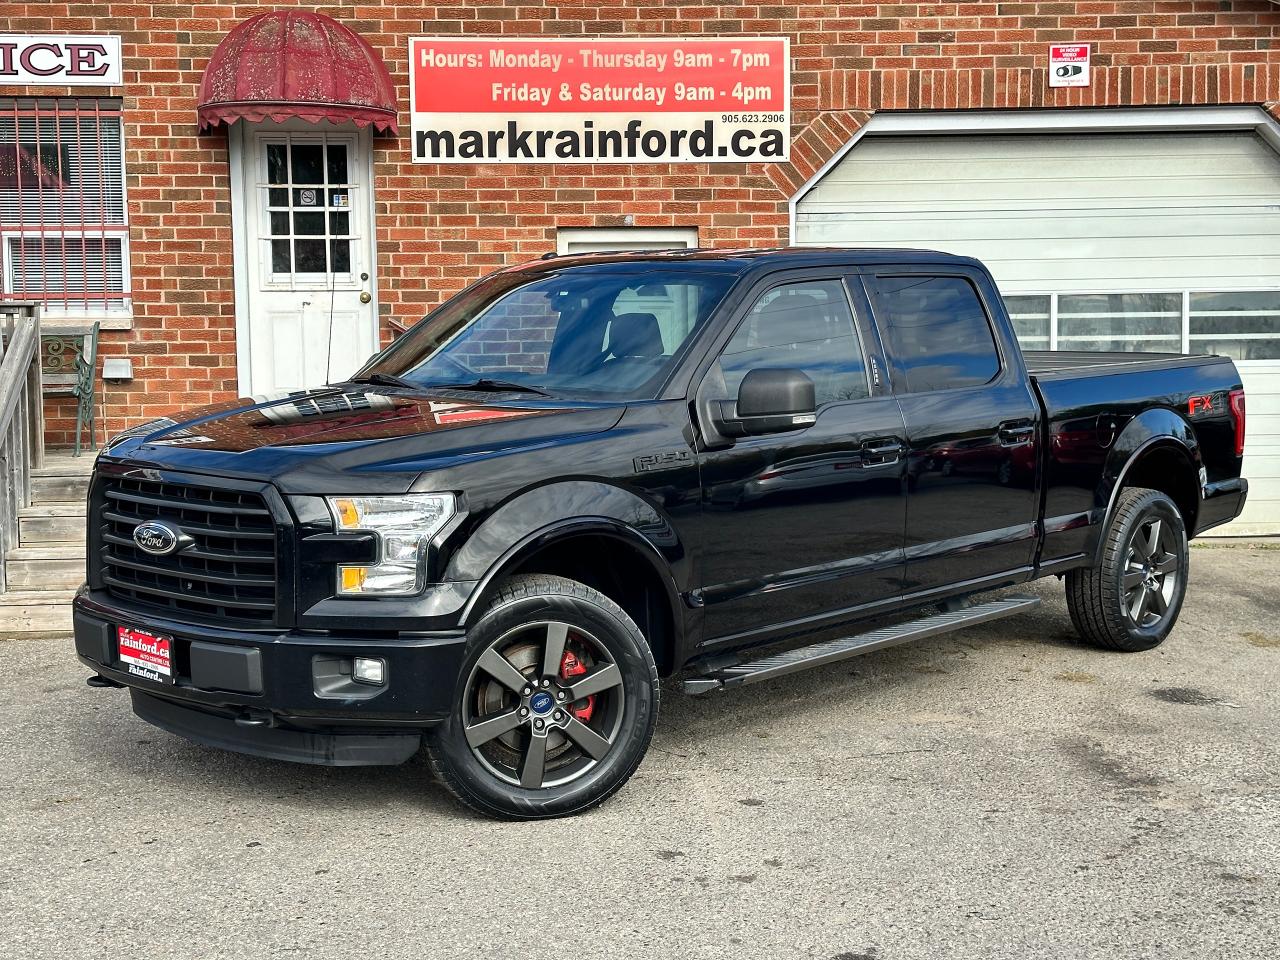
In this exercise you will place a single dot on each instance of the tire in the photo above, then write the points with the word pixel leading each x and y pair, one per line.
pixel 1131 598
pixel 516 674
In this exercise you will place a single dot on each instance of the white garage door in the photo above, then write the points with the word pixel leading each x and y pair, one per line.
pixel 1167 242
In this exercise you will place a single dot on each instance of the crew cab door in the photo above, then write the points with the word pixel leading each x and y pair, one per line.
pixel 800 524
pixel 972 426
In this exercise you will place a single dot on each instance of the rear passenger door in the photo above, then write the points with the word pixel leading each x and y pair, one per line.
pixel 800 524
pixel 971 424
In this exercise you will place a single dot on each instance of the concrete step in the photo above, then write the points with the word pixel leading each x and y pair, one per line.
pixel 52 523
pixel 35 613
pixel 45 567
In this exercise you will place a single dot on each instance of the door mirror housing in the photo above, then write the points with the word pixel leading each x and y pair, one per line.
pixel 769 401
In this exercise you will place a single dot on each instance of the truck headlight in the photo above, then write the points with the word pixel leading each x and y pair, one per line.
pixel 404 526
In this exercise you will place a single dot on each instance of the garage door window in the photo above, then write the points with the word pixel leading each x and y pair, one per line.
pixel 1243 325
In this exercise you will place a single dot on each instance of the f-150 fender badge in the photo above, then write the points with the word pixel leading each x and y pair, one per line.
pixel 662 461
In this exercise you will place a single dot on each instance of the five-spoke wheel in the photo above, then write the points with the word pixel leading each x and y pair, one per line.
pixel 1129 599
pixel 1151 573
pixel 530 716
pixel 557 705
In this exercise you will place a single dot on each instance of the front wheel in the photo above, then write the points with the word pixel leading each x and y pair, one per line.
pixel 556 706
pixel 1131 598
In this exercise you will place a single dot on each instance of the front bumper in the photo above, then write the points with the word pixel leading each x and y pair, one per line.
pixel 267 692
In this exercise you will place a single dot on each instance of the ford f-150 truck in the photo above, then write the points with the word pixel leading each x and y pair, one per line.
pixel 586 473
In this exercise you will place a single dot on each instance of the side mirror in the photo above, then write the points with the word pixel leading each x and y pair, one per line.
pixel 769 401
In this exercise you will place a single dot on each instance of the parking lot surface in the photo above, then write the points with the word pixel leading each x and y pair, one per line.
pixel 1000 792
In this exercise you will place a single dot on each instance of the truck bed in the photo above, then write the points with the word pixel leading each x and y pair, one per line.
pixel 1044 363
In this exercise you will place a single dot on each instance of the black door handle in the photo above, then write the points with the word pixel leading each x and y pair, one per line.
pixel 1014 433
pixel 881 451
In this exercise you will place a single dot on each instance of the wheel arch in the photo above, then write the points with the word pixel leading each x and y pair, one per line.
pixel 1157 449
pixel 537 532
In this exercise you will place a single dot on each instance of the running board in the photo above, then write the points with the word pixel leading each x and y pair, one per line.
pixel 792 661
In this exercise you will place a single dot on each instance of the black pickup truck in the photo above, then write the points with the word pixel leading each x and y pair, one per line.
pixel 588 472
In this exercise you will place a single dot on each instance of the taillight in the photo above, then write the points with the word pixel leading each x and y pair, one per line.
pixel 1237 413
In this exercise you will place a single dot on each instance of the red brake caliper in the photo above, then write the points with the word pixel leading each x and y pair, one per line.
pixel 570 667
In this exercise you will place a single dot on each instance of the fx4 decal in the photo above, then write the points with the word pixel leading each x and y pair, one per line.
pixel 1206 404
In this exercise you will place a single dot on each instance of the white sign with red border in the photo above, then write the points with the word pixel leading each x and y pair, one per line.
pixel 60 60
pixel 146 655
pixel 1068 64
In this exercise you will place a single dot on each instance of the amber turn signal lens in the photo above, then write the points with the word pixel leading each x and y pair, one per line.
pixel 353 579
pixel 348 514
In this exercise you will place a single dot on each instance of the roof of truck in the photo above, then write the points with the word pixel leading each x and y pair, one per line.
pixel 740 260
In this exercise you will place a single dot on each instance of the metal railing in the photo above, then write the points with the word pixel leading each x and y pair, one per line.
pixel 21 417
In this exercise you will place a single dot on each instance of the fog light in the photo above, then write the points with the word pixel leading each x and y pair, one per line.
pixel 369 670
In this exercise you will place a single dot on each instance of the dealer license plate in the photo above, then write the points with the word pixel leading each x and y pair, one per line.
pixel 145 655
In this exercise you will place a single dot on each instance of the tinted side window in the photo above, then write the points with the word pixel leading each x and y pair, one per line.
pixel 806 326
pixel 937 332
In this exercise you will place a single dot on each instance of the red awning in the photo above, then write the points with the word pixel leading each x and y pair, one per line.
pixel 293 63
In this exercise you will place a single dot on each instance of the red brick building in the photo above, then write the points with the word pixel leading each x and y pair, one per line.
pixel 1137 212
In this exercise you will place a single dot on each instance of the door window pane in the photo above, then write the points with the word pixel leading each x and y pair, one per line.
pixel 1030 316
pixel 308 224
pixel 340 256
pixel 937 332
pixel 308 256
pixel 307 165
pixel 1244 326
pixel 804 326
pixel 279 256
pixel 337 153
pixel 277 163
pixel 1128 322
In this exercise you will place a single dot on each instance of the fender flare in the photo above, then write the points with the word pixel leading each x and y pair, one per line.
pixel 1153 429
pixel 544 515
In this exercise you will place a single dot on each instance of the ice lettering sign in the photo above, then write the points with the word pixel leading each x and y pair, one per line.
pixel 651 100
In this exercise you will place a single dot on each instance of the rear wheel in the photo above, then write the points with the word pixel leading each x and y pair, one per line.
pixel 556 707
pixel 1131 598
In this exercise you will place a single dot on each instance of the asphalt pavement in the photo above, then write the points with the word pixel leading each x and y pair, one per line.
pixel 1000 792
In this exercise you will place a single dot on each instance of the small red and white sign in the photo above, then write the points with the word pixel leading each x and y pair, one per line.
pixel 60 60
pixel 1068 64
pixel 146 655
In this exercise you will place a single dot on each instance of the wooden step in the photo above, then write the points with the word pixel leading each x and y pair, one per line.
pixel 45 567
pixel 53 523
pixel 35 613
pixel 60 488
pixel 61 463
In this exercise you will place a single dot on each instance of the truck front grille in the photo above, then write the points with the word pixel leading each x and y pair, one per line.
pixel 227 572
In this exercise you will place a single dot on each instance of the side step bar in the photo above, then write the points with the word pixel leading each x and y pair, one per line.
pixel 792 661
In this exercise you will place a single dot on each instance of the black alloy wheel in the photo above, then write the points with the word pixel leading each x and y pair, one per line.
pixel 1130 598
pixel 556 705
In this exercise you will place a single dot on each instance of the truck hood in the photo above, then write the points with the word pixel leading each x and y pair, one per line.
pixel 304 440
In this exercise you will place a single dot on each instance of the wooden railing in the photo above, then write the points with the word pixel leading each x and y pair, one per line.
pixel 21 417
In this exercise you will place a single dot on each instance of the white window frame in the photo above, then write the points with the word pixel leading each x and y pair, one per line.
pixel 1187 337
pixel 626 238
pixel 119 318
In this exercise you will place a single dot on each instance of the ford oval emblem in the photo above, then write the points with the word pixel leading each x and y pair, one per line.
pixel 157 537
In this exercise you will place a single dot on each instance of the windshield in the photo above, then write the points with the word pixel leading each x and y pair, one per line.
pixel 578 333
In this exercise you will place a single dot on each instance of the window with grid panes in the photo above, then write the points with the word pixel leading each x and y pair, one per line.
pixel 64 230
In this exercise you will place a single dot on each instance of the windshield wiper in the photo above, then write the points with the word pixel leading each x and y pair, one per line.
pixel 386 380
pixel 493 386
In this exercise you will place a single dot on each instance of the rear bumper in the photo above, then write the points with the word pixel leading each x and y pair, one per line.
pixel 281 694
pixel 1221 503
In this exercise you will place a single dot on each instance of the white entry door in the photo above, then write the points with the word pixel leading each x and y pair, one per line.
pixel 304 257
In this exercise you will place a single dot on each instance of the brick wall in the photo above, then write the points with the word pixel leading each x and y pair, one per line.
pixel 439 227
